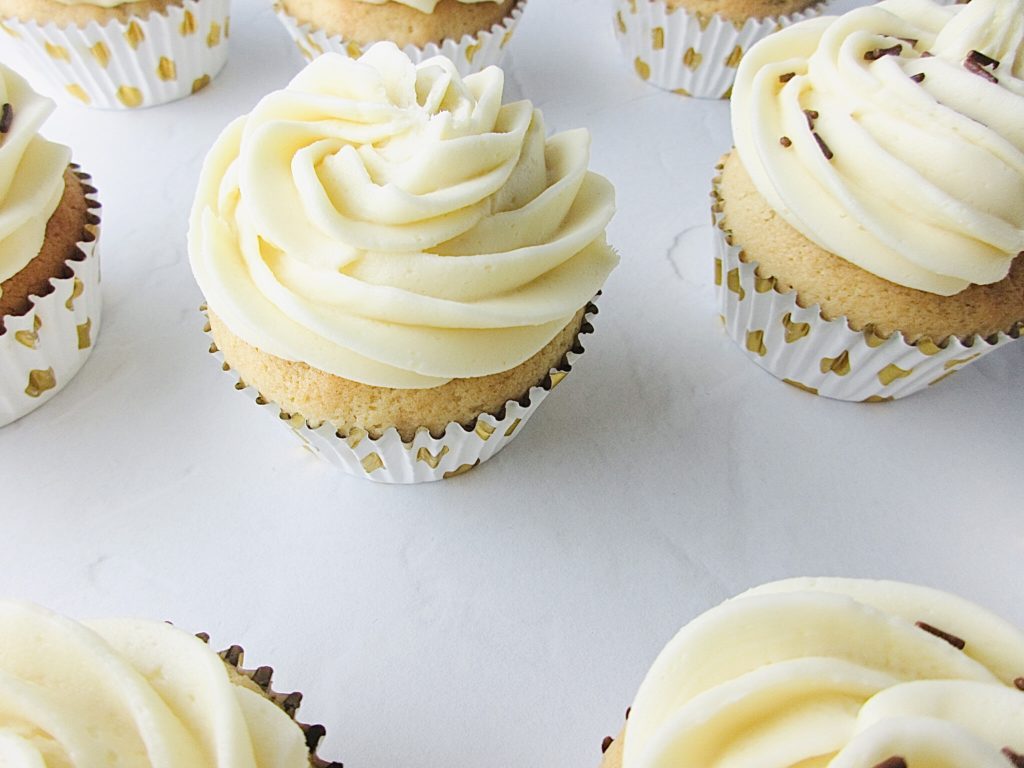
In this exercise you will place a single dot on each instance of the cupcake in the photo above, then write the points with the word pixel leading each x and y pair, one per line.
pixel 870 225
pixel 472 33
pixel 692 47
pixel 140 693
pixel 396 264
pixel 49 268
pixel 118 54
pixel 844 673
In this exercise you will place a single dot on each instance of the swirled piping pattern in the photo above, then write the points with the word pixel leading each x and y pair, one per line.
pixel 809 673
pixel 397 225
pixel 893 136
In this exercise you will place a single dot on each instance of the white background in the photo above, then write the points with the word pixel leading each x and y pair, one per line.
pixel 504 618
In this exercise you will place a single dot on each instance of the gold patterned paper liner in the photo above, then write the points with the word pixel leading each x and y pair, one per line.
pixel 43 349
pixel 261 678
pixel 690 53
pixel 388 459
pixel 144 62
pixel 826 357
pixel 470 54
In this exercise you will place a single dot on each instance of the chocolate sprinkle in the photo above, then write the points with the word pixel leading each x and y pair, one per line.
pixel 918 78
pixel 786 141
pixel 824 147
pixel 975 66
pixel 6 117
pixel 953 640
pixel 909 41
pixel 1019 683
pixel 1015 757
pixel 878 53
pixel 607 742
pixel 927 55
pixel 787 77
pixel 893 762
pixel 630 709
pixel 983 60
pixel 811 116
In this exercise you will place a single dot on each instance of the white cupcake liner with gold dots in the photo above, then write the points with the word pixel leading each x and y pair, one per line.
pixel 147 61
pixel 388 459
pixel 827 357
pixel 689 53
pixel 470 54
pixel 42 350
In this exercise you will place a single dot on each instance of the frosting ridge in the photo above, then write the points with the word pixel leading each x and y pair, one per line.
pixel 424 6
pixel 891 137
pixel 397 225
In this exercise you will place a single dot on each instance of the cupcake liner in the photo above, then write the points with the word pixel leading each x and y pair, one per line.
pixel 42 350
pixel 262 678
pixel 388 459
pixel 827 357
pixel 690 53
pixel 470 54
pixel 146 62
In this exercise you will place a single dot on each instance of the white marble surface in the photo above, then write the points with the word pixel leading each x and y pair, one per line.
pixel 505 617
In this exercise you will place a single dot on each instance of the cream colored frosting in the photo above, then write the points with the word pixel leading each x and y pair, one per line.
pixel 135 694
pixel 807 673
pixel 424 6
pixel 31 175
pixel 99 3
pixel 397 225
pixel 925 185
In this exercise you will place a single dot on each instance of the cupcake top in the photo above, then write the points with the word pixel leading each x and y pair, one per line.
pixel 425 6
pixel 396 225
pixel 893 136
pixel 843 673
pixel 129 693
pixel 31 173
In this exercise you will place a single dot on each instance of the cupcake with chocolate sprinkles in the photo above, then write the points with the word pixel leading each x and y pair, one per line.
pixel 49 269
pixel 870 230
pixel 692 47
pixel 139 693
pixel 843 673
pixel 472 33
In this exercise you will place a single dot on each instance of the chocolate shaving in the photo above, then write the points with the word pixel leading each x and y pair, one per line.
pixel 975 66
pixel 983 60
pixel 811 116
pixel 6 117
pixel 953 640
pixel 630 709
pixel 786 141
pixel 1015 757
pixel 824 147
pixel 878 53
pixel 787 77
pixel 918 78
pixel 927 55
pixel 893 762
pixel 909 41
pixel 607 742
pixel 1019 683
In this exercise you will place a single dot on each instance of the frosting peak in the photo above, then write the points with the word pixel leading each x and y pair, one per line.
pixel 424 6
pixel 397 225
pixel 893 136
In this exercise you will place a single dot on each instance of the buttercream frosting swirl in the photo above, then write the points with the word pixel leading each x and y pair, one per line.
pixel 424 6
pixel 893 136
pixel 129 693
pixel 397 225
pixel 807 673
pixel 31 174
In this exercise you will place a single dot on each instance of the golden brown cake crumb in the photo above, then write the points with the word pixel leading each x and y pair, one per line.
pixel 841 288
pixel 367 23
pixel 322 397
pixel 44 11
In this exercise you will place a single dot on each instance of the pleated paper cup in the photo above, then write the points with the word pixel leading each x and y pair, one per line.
pixel 42 350
pixel 690 53
pixel 387 459
pixel 827 357
pixel 147 61
pixel 470 54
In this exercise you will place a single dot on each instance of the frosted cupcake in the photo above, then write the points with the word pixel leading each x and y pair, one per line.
pixel 832 672
pixel 692 47
pixel 870 215
pixel 397 262
pixel 472 33
pixel 139 693
pixel 118 54
pixel 49 267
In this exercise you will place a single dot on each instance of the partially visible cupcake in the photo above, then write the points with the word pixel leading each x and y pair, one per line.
pixel 693 47
pixel 472 33
pixel 833 672
pixel 122 54
pixel 399 263
pixel 139 693
pixel 870 218
pixel 49 267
